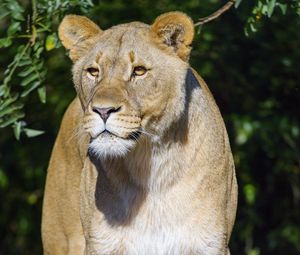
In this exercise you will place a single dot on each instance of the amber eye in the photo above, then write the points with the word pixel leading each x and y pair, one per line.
pixel 139 71
pixel 93 72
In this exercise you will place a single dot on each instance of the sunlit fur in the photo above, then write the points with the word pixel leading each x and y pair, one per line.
pixel 158 176
pixel 110 146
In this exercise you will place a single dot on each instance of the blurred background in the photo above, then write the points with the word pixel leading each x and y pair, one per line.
pixel 250 58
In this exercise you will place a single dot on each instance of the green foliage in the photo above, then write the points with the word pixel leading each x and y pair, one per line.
pixel 265 9
pixel 254 79
pixel 35 33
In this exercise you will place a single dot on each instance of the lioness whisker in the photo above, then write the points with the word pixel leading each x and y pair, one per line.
pixel 146 133
pixel 135 135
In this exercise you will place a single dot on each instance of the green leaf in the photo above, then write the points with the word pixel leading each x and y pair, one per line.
pixel 30 88
pixel 43 73
pixel 13 28
pixel 237 3
pixel 21 48
pixel 57 4
pixel 11 109
pixel 40 66
pixel 17 129
pixel 51 42
pixel 33 132
pixel 36 46
pixel 30 79
pixel 8 101
pixel 264 9
pixel 27 71
pixel 6 72
pixel 42 94
pixel 3 90
pixel 6 80
pixel 253 28
pixel 283 8
pixel 38 52
pixel 18 16
pixel 5 42
pixel 4 14
pixel 14 6
pixel 199 29
pixel 90 2
pixel 25 62
pixel 16 10
pixel 11 119
pixel 271 6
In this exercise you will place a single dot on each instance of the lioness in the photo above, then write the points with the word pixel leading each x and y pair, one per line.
pixel 142 162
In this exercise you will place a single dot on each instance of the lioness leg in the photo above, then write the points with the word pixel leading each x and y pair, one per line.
pixel 60 237
pixel 54 240
pixel 61 226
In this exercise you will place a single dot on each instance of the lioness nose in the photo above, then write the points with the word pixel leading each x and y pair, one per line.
pixel 105 112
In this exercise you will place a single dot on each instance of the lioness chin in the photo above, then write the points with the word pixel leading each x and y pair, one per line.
pixel 142 162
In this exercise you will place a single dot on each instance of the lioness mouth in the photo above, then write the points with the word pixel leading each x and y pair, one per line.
pixel 107 133
pixel 108 144
pixel 135 135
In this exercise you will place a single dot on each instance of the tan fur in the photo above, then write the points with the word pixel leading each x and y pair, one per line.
pixel 163 180
pixel 77 34
pixel 178 26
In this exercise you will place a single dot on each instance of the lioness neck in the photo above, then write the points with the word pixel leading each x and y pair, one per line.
pixel 155 165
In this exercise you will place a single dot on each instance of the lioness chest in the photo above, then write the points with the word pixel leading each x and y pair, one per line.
pixel 158 228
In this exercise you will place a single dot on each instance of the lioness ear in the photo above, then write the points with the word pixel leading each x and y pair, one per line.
pixel 77 34
pixel 176 30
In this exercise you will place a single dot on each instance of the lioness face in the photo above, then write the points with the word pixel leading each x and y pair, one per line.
pixel 126 91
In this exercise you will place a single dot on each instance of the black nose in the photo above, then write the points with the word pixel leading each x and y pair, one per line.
pixel 105 112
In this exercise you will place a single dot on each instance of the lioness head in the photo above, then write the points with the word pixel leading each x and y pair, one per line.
pixel 129 78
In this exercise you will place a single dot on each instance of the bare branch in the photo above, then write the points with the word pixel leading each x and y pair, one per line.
pixel 216 14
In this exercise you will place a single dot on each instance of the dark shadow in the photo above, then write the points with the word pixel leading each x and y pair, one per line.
pixel 117 210
pixel 180 127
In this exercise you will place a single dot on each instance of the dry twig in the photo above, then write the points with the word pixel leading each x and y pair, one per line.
pixel 216 14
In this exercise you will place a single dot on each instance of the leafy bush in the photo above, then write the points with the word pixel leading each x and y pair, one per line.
pixel 27 72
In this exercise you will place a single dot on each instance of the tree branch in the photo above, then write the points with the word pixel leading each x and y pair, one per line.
pixel 216 14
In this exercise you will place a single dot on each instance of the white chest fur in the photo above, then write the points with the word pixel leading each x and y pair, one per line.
pixel 158 229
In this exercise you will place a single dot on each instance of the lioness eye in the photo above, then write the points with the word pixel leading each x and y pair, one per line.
pixel 92 71
pixel 139 70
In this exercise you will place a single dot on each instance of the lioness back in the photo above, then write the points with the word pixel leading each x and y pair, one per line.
pixel 142 162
